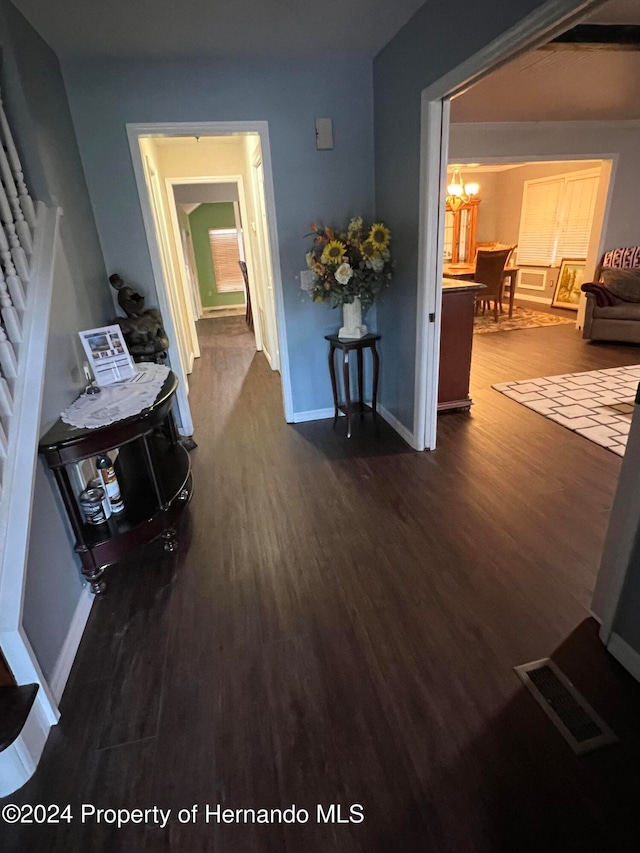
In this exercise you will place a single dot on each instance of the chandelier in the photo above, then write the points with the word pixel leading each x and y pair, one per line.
pixel 459 193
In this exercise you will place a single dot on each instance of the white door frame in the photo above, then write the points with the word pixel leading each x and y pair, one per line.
pixel 181 273
pixel 262 235
pixel 539 27
pixel 189 268
pixel 218 128
pixel 158 263
pixel 239 182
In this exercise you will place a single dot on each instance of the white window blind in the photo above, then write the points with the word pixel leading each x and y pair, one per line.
pixel 225 253
pixel 539 221
pixel 577 217
pixel 557 217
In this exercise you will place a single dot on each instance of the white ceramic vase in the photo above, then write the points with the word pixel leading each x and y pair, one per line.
pixel 353 328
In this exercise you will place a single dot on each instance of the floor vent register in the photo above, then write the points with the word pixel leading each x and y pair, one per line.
pixel 570 712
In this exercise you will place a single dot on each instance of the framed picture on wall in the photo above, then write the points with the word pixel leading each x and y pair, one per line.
pixel 567 292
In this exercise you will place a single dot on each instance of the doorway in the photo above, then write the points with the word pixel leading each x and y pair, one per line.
pixel 541 221
pixel 539 28
pixel 171 160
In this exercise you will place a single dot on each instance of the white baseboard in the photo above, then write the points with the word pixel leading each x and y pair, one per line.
pixel 322 414
pixel 545 300
pixel 70 647
pixel 240 307
pixel 312 415
pixel 624 654
pixel 395 424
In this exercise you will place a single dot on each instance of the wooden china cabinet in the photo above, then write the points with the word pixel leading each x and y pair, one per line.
pixel 460 233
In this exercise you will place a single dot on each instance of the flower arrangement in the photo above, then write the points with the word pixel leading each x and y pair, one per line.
pixel 346 265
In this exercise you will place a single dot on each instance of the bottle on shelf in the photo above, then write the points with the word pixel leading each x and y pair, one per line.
pixel 106 504
pixel 107 474
pixel 92 505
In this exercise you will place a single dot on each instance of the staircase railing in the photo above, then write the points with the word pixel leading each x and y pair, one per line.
pixel 28 245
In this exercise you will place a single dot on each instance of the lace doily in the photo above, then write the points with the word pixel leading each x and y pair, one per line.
pixel 119 401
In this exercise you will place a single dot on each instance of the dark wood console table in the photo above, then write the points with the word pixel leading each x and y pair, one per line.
pixel 154 473
pixel 350 406
pixel 456 342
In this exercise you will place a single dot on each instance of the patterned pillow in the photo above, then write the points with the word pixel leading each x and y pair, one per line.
pixel 623 283
pixel 622 258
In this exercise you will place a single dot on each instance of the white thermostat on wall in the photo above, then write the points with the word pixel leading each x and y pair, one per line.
pixel 324 133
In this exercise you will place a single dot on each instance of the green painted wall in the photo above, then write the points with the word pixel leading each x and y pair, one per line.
pixel 219 215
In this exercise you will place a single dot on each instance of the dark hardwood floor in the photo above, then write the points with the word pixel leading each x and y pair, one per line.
pixel 340 626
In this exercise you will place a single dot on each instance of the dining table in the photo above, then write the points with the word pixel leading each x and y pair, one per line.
pixel 467 271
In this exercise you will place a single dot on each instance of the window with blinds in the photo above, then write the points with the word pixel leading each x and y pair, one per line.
pixel 225 253
pixel 556 218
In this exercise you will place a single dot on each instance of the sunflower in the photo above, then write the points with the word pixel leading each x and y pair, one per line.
pixel 368 249
pixel 379 236
pixel 333 252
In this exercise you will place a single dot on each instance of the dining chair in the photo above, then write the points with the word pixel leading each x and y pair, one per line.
pixel 490 272
pixel 249 311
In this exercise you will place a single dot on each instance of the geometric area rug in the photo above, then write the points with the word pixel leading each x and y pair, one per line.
pixel 597 405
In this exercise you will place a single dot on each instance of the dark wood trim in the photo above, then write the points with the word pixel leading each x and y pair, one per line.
pixel 597 37
pixel 15 706
pixel 6 676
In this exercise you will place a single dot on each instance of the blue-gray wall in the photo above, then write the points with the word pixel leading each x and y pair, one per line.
pixel 39 113
pixel 439 37
pixel 310 185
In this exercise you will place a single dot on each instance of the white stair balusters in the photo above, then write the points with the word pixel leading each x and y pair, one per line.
pixel 6 402
pixel 14 284
pixel 8 360
pixel 18 253
pixel 10 317
pixel 26 203
pixel 21 226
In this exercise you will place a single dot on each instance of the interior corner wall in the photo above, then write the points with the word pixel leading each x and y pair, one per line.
pixel 38 110
pixel 204 218
pixel 440 36
pixel 310 185
pixel 490 201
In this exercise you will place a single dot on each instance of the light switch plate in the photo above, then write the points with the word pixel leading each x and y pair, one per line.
pixel 306 278
pixel 324 134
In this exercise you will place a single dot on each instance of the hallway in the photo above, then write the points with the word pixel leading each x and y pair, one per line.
pixel 340 626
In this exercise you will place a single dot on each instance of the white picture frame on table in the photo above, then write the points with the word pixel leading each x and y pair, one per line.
pixel 108 354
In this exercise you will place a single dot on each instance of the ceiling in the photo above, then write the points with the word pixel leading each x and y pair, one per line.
pixel 485 167
pixel 476 169
pixel 222 28
pixel 562 84
pixel 186 141
pixel 617 12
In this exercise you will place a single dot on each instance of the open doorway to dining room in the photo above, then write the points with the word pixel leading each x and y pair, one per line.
pixel 527 232
pixel 543 118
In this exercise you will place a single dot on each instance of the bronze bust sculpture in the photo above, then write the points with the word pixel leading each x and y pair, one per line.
pixel 143 330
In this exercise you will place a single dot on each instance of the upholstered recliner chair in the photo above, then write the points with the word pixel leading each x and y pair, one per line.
pixel 613 300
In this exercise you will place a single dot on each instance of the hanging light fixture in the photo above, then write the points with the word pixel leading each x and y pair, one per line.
pixel 459 193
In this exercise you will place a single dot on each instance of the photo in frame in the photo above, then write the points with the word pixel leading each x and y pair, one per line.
pixel 567 290
pixel 108 354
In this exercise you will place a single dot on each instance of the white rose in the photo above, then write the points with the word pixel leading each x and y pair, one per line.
pixel 344 274
pixel 377 264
